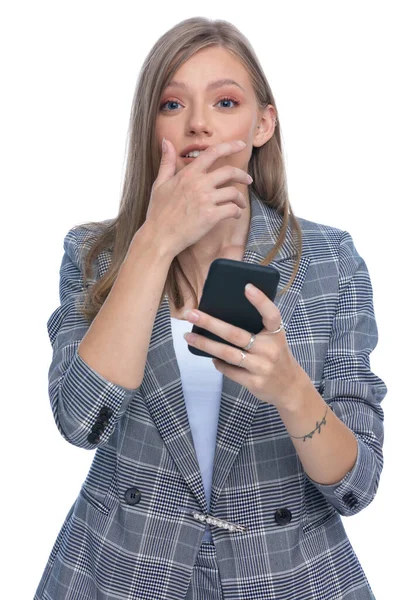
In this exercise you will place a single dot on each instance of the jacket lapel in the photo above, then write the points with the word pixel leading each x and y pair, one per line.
pixel 238 405
pixel 163 393
pixel 162 386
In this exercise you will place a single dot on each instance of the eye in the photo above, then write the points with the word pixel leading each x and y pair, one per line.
pixel 168 102
pixel 226 99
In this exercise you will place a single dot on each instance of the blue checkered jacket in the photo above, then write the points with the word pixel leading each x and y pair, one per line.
pixel 134 531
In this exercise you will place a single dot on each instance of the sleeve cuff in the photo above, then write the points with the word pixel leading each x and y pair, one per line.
pixel 357 488
pixel 86 399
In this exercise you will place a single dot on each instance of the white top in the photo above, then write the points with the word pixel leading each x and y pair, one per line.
pixel 202 385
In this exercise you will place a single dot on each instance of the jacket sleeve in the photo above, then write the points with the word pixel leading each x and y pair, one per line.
pixel 81 398
pixel 348 385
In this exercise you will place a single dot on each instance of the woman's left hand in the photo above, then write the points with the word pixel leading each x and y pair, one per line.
pixel 269 371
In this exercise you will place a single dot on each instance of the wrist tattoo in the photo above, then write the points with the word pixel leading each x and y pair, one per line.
pixel 318 428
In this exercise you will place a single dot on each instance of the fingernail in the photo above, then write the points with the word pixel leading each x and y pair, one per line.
pixel 242 143
pixel 189 337
pixel 250 289
pixel 164 145
pixel 191 314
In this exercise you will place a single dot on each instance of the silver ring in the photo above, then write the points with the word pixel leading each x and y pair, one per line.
pixel 281 326
pixel 251 342
pixel 243 358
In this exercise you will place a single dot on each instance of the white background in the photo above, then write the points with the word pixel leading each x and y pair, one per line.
pixel 68 75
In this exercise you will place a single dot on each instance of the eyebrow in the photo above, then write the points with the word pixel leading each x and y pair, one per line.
pixel 211 86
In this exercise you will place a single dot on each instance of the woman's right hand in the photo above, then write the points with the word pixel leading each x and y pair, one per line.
pixel 184 206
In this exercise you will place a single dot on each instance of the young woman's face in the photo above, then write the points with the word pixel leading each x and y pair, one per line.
pixel 196 113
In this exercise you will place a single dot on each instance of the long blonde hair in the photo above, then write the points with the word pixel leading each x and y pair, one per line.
pixel 266 164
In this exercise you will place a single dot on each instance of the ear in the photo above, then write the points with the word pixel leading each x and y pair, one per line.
pixel 265 127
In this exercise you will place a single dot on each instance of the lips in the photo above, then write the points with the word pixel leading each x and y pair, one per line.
pixel 193 147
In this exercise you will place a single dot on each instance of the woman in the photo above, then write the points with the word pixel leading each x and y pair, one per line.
pixel 226 478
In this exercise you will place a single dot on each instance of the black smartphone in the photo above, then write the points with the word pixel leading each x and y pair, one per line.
pixel 224 296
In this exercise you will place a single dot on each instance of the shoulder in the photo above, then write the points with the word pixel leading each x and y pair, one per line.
pixel 325 243
pixel 321 238
pixel 79 239
pixel 320 235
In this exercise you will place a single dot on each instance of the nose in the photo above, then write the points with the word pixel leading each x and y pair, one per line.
pixel 198 127
pixel 198 122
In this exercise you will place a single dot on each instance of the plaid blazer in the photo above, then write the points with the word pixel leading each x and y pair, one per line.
pixel 134 531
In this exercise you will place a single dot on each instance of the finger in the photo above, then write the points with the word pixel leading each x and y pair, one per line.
pixel 232 334
pixel 241 376
pixel 167 168
pixel 207 158
pixel 223 352
pixel 269 312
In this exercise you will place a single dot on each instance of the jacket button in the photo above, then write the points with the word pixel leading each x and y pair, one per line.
pixel 97 428
pixel 283 516
pixel 132 496
pixel 93 438
pixel 350 499
pixel 107 412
